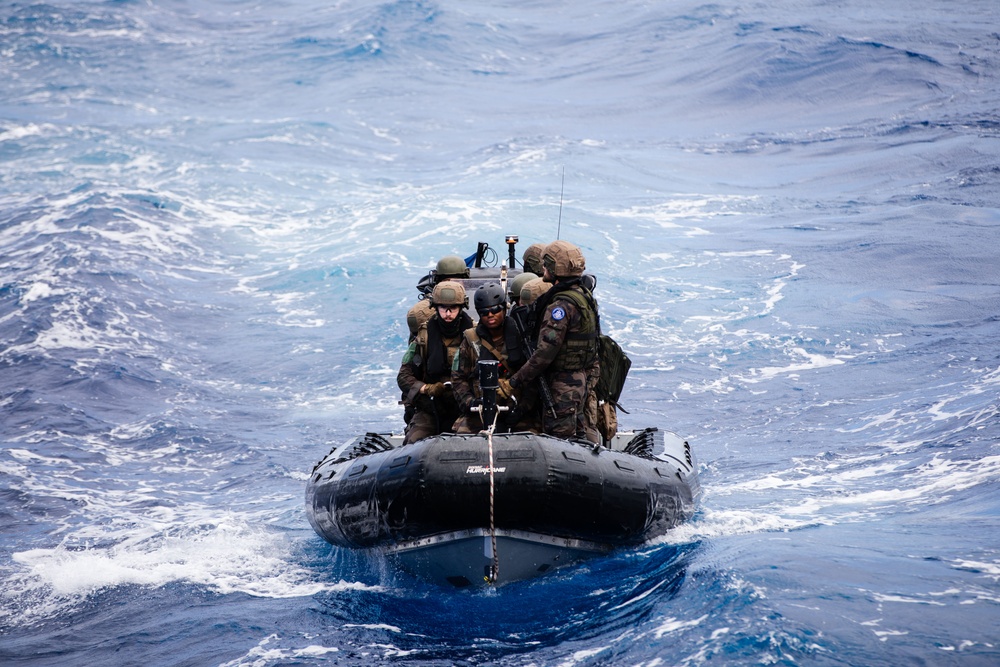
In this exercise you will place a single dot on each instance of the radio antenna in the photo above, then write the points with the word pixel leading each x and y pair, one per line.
pixel 562 187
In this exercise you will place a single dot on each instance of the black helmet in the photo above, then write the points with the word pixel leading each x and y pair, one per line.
pixel 489 295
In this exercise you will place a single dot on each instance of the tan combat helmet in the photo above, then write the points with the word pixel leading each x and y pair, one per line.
pixel 519 281
pixel 449 293
pixel 533 289
pixel 417 315
pixel 531 260
pixel 563 260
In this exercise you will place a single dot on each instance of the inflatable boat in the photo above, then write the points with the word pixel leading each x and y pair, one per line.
pixel 447 513
pixel 490 508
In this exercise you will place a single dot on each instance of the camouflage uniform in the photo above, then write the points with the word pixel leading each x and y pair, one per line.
pixel 566 358
pixel 430 415
pixel 479 344
pixel 416 317
pixel 447 268
pixel 428 361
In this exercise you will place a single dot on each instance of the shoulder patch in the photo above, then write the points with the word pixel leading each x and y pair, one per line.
pixel 558 313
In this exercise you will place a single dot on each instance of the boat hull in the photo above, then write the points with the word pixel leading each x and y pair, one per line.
pixel 427 504
pixel 466 558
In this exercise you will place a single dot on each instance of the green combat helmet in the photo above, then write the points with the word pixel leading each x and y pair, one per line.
pixel 564 260
pixel 514 291
pixel 449 293
pixel 451 266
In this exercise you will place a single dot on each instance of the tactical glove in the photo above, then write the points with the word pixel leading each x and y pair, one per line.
pixel 504 390
pixel 436 390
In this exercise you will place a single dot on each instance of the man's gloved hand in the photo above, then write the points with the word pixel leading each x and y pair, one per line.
pixel 504 390
pixel 435 390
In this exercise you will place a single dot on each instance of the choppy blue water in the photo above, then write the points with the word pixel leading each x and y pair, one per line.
pixel 212 217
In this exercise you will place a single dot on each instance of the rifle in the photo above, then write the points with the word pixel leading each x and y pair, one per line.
pixel 528 347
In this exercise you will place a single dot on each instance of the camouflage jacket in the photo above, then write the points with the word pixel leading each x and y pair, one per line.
pixel 477 343
pixel 564 325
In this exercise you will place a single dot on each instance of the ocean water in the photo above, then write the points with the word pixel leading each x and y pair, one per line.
pixel 212 218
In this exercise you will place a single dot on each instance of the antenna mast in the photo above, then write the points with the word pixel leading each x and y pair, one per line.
pixel 562 187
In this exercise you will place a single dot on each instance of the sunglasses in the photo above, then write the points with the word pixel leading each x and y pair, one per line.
pixel 490 311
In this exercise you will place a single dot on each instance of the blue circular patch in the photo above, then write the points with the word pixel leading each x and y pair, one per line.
pixel 558 313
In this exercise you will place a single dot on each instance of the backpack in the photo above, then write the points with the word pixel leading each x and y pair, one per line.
pixel 615 365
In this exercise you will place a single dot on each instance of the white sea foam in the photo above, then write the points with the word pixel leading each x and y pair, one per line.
pixel 23 131
pixel 511 161
pixel 679 212
pixel 985 380
pixel 801 361
pixel 147 532
pixel 265 654
pixel 227 556
pixel 31 458
pixel 373 626
pixel 904 599
pixel 37 290
pixel 990 570
pixel 582 656
pixel 711 523
pixel 671 625
pixel 811 361
pixel 851 489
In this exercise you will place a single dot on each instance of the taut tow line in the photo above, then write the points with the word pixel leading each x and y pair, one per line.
pixel 495 566
pixel 489 374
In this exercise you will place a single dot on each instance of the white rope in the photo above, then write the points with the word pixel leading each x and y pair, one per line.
pixel 495 569
pixel 495 566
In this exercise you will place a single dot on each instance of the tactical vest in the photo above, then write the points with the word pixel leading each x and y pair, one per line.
pixel 486 351
pixel 435 369
pixel 580 348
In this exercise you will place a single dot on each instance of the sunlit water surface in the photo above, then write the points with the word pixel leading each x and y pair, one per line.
pixel 212 217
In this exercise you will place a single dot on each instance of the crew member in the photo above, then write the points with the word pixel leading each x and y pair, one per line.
pixel 425 374
pixel 493 339
pixel 531 259
pixel 515 285
pixel 566 355
pixel 448 267
pixel 533 290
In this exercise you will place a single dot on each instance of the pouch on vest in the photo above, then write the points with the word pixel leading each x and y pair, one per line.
pixel 607 421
